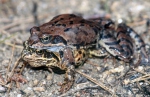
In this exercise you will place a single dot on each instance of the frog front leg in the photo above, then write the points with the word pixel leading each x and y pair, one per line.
pixel 68 63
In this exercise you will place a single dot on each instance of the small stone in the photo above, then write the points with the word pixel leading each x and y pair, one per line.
pixel 44 82
pixel 81 80
pixel 140 68
pixel 40 89
pixel 121 62
pixel 126 81
pixel 28 90
pixel 2 89
pixel 19 95
pixel 78 94
pixel 49 77
pixel 35 82
pixel 98 68
pixel 111 79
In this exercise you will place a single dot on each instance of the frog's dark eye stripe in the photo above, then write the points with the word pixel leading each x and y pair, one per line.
pixel 58 39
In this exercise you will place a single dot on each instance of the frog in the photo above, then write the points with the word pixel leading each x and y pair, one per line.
pixel 63 57
pixel 68 40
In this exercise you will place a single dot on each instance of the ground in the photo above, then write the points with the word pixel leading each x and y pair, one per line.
pixel 18 16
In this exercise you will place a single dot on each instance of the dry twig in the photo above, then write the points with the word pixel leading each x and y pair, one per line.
pixel 16 46
pixel 76 90
pixel 20 21
pixel 94 81
pixel 145 77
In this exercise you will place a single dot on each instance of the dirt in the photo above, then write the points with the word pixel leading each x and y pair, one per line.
pixel 18 16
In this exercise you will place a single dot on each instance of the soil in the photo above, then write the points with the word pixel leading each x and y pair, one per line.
pixel 122 79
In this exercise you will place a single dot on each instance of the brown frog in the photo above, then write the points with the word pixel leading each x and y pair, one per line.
pixel 68 40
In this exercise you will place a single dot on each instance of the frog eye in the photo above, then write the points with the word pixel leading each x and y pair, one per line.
pixel 39 52
pixel 45 39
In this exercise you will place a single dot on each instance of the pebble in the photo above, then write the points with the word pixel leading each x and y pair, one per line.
pixel 49 77
pixel 40 89
pixel 2 89
pixel 19 95
pixel 35 82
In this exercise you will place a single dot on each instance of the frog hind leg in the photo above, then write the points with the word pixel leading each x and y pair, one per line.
pixel 140 44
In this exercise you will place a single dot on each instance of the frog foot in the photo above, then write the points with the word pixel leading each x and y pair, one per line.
pixel 68 81
pixel 66 86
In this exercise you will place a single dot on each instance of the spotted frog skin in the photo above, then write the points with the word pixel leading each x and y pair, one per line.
pixel 68 40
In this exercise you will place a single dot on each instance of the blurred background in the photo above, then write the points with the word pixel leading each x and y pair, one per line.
pixel 25 14
pixel 18 16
